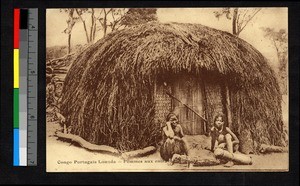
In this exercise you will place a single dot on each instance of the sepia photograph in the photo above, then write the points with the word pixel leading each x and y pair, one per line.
pixel 167 89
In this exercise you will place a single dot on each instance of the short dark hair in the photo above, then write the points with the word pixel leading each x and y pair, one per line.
pixel 170 115
pixel 219 115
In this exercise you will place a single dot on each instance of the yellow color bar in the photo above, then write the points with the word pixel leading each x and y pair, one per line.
pixel 16 68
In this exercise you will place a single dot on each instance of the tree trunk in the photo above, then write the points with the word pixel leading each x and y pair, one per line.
pixel 104 27
pixel 234 23
pixel 87 145
pixel 71 23
pixel 84 26
pixel 92 27
pixel 104 23
pixel 94 32
pixel 86 33
pixel 138 153
pixel 69 43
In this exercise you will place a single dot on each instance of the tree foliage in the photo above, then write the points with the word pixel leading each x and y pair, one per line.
pixel 240 17
pixel 279 40
pixel 135 16
pixel 93 21
pixel 110 18
pixel 105 20
pixel 117 15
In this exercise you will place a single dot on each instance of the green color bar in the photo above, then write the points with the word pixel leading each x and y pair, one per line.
pixel 16 108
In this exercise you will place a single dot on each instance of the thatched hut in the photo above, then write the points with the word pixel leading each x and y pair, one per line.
pixel 119 90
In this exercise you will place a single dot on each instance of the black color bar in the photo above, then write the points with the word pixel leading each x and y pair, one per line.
pixel 23 18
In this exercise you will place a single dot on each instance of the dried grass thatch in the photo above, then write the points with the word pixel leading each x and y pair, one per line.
pixel 108 92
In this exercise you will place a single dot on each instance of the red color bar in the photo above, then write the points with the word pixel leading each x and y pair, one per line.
pixel 16 28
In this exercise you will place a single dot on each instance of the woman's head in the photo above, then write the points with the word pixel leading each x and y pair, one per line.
pixel 171 117
pixel 219 120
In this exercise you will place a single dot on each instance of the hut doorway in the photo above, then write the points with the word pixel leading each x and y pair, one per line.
pixel 183 95
pixel 189 93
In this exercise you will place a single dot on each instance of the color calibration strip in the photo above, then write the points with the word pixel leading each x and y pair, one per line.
pixel 25 87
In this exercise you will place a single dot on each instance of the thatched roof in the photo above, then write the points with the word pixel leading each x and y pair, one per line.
pixel 125 62
pixel 155 48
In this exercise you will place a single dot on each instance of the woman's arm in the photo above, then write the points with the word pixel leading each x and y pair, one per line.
pixel 181 131
pixel 168 130
pixel 235 139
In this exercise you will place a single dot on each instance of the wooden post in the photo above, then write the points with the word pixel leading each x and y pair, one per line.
pixel 156 116
pixel 228 107
pixel 205 107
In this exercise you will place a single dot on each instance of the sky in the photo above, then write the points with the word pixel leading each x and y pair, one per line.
pixel 276 18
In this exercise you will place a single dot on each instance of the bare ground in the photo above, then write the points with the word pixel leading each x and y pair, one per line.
pixel 67 157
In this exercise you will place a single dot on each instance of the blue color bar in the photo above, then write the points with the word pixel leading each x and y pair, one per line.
pixel 16 148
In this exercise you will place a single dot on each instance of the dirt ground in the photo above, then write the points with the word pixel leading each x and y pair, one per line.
pixel 67 157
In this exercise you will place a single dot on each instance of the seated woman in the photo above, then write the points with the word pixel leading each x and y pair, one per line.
pixel 173 139
pixel 223 137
